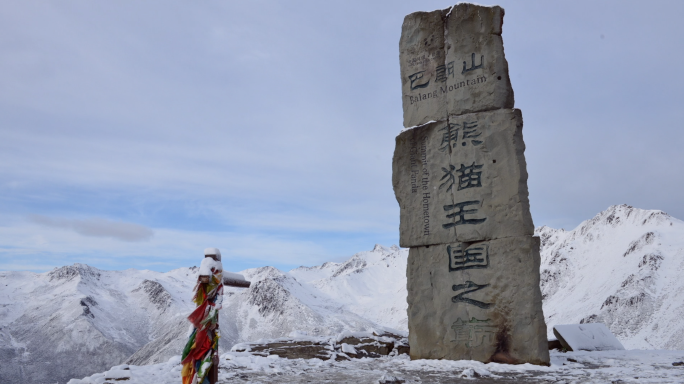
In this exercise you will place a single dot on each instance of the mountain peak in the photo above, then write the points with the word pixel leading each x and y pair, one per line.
pixel 379 248
pixel 619 215
pixel 69 272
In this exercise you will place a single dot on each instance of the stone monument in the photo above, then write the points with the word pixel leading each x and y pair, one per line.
pixel 460 177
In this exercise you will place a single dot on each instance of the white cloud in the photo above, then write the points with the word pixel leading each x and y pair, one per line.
pixel 98 227
pixel 57 244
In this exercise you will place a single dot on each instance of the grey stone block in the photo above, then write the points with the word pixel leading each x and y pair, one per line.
pixel 463 179
pixel 477 301
pixel 474 49
pixel 421 52
pixel 452 62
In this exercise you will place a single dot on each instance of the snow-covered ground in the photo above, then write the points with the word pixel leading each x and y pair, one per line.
pixel 621 268
pixel 572 367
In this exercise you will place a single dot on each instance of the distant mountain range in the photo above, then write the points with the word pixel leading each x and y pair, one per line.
pixel 620 268
pixel 77 320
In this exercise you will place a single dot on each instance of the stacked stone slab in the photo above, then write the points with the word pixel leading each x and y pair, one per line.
pixel 460 177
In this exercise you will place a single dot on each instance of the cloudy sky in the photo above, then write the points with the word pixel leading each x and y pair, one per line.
pixel 133 134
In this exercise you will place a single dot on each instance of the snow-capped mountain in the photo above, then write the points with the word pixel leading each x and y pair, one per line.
pixel 370 284
pixel 622 268
pixel 77 320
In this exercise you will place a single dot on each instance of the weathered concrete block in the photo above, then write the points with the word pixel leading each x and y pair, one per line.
pixel 421 53
pixel 477 301
pixel 477 70
pixel 463 179
pixel 452 62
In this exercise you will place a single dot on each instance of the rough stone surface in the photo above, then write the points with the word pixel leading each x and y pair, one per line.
pixel 421 51
pixel 485 307
pixel 440 165
pixel 369 347
pixel 294 349
pixel 474 48
pixel 452 62
pixel 358 345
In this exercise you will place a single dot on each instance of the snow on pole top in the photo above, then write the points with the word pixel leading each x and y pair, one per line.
pixel 213 251
pixel 233 276
pixel 207 265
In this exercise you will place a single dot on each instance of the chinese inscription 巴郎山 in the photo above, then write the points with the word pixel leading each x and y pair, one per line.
pixel 476 256
pixel 460 213
pixel 450 138
pixel 474 332
pixel 469 287
pixel 443 72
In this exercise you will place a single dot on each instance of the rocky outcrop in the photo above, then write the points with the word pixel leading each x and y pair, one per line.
pixel 155 293
pixel 343 347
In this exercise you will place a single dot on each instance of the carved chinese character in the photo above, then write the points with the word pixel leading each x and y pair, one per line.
pixel 450 136
pixel 449 175
pixel 462 330
pixel 416 77
pixel 474 332
pixel 476 256
pixel 466 288
pixel 468 178
pixel 472 64
pixel 444 71
pixel 470 132
pixel 461 213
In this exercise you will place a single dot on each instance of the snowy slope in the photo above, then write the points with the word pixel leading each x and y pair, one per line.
pixel 77 320
pixel 370 284
pixel 622 268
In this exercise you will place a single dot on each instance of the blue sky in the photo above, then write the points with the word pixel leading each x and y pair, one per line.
pixel 135 134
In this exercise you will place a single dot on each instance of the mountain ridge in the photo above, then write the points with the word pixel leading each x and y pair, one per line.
pixel 620 267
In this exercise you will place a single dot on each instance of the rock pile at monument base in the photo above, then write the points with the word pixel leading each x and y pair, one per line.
pixel 345 346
